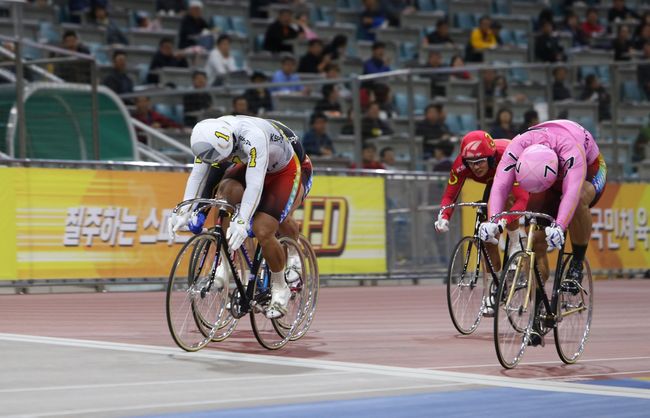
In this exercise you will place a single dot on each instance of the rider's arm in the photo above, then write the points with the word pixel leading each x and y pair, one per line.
pixel 257 161
pixel 575 169
pixel 197 180
pixel 520 204
pixel 454 186
pixel 504 178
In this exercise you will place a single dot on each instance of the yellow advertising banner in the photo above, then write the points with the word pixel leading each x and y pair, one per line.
pixel 76 224
pixel 620 228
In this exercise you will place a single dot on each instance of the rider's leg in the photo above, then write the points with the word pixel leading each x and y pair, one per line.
pixel 580 230
pixel 515 236
pixel 540 247
pixel 493 252
pixel 232 191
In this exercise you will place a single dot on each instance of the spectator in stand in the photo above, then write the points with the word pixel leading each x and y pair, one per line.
pixel 303 22
pixel 316 141
pixel 645 20
pixel 285 74
pixel 336 48
pixel 73 72
pixel 240 106
pixel 531 118
pixel 432 129
pixel 280 31
pixel 442 156
pixel 560 90
pixel 114 34
pixel 372 18
pixel 640 145
pixel 591 26
pixel 118 80
pixel 145 114
pixel 333 71
pixel 642 38
pixel 377 62
pixel 194 103
pixel 371 124
pixel 547 45
pixel 314 61
pixel 594 92
pixel 387 157
pixel 503 128
pixel 622 45
pixel 440 36
pixel 143 22
pixel 259 98
pixel 170 7
pixel 395 9
pixel 572 26
pixel 438 80
pixel 481 38
pixel 643 71
pixel 458 62
pixel 369 158
pixel 220 61
pixel 193 25
pixel 620 12
pixel 165 57
pixel 329 104
pixel 384 97
pixel 78 9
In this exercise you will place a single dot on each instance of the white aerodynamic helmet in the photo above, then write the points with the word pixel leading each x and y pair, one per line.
pixel 212 139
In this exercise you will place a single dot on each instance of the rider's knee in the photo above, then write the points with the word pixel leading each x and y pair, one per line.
pixel 587 194
pixel 539 244
pixel 265 228
pixel 231 190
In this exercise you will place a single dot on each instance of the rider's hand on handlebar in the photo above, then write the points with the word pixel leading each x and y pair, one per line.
pixel 489 231
pixel 237 233
pixel 442 225
pixel 177 221
pixel 554 237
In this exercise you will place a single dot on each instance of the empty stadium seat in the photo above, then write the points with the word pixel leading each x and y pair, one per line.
pixel 239 25
pixel 464 20
pixel 630 91
pixel 426 5
pixel 454 124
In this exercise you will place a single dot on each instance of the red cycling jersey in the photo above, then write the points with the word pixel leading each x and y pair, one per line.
pixel 459 173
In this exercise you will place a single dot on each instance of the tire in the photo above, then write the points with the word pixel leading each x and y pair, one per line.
pixel 465 286
pixel 514 312
pixel 195 304
pixel 574 317
pixel 274 334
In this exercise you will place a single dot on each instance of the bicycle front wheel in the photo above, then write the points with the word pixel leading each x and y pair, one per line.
pixel 514 311
pixel 465 286
pixel 195 301
pixel 574 311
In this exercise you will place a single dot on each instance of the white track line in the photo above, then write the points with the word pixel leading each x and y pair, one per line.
pixel 248 400
pixel 595 374
pixel 435 375
pixel 164 382
pixel 597 360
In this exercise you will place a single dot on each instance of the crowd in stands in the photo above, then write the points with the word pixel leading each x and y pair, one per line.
pixel 300 53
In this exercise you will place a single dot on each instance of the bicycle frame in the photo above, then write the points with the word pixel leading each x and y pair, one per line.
pixel 534 276
pixel 246 294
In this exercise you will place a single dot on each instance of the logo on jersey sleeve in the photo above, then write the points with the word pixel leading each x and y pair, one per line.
pixel 453 178
pixel 514 165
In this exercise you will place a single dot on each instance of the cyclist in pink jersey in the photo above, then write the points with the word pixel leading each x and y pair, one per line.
pixel 559 163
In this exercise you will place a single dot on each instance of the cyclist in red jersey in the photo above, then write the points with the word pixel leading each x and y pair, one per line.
pixel 478 159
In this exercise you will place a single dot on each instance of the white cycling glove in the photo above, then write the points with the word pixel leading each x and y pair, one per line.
pixel 442 225
pixel 554 237
pixel 237 233
pixel 177 221
pixel 489 231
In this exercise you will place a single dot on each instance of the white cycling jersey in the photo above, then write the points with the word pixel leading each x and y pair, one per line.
pixel 263 145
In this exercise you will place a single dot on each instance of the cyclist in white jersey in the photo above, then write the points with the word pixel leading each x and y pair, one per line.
pixel 268 177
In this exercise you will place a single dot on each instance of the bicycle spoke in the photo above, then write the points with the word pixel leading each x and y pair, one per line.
pixel 465 287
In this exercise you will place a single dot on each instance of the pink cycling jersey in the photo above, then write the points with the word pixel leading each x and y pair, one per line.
pixel 576 149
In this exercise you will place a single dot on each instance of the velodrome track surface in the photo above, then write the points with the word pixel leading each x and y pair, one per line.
pixel 385 351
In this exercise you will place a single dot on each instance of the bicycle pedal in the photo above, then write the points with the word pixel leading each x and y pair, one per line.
pixel 570 286
pixel 535 339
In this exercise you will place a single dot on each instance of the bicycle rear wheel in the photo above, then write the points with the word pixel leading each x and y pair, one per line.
pixel 574 310
pixel 465 286
pixel 513 317
pixel 195 301
pixel 275 333
pixel 309 285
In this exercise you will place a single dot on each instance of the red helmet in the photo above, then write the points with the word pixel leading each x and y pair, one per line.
pixel 477 144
